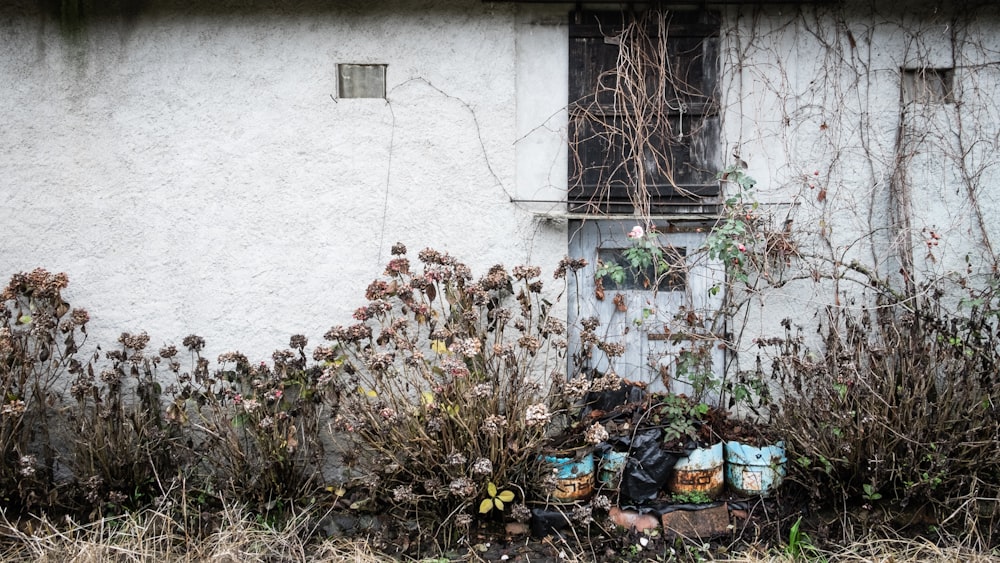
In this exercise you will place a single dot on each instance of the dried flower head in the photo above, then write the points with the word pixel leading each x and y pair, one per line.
pixel 353 333
pixel 582 513
pixel 376 290
pixel 27 465
pixel 482 391
pixel 135 342
pixel 466 347
pixel 193 342
pixel 526 272
pixel 429 256
pixel 520 513
pixel 377 362
pixel 462 487
pixel 80 317
pixel 596 434
pixel 111 377
pixel 434 424
pixel 601 502
pixel 568 264
pixel 495 279
pixel 324 353
pixel 482 466
pixel 492 425
pixel 403 494
pixel 609 381
pixel 297 342
pixel 612 349
pixel 590 323
pixel 397 267
pixel 537 415
pixel 227 357
pixel 13 408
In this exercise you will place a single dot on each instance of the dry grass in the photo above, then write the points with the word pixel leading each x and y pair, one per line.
pixel 156 537
pixel 153 536
pixel 873 550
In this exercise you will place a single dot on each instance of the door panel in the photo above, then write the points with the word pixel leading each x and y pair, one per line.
pixel 668 330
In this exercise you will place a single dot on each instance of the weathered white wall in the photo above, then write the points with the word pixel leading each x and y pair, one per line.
pixel 190 169
pixel 813 105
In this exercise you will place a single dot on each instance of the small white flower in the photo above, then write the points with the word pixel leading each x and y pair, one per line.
pixel 537 414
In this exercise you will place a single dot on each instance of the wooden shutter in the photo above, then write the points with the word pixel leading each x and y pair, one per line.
pixel 663 138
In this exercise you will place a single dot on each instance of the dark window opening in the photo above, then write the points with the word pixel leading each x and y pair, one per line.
pixel 928 85
pixel 669 275
pixel 644 112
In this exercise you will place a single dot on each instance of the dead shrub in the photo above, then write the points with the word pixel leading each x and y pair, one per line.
pixel 441 393
pixel 902 404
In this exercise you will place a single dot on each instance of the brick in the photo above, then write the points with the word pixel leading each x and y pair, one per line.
pixel 700 524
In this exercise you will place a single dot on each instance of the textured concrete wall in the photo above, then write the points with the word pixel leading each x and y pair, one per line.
pixel 191 170
pixel 814 105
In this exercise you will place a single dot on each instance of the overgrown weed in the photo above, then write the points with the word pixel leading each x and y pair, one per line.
pixel 900 411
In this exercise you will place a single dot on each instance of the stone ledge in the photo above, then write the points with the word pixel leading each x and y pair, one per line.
pixel 700 524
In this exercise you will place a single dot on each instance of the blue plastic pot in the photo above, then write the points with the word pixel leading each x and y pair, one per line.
pixel 753 471
pixel 612 464
pixel 575 476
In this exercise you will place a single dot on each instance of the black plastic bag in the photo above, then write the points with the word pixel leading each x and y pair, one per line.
pixel 647 468
pixel 612 403
pixel 547 522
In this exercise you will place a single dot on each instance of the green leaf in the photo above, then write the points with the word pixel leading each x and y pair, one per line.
pixel 506 496
pixel 498 503
pixel 491 489
pixel 486 505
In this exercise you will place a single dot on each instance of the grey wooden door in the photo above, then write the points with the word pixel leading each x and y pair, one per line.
pixel 668 329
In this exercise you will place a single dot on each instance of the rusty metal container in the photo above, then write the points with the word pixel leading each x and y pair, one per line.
pixel 700 472
pixel 574 475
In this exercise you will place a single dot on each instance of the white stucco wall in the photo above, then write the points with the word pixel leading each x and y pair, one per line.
pixel 191 171
pixel 813 104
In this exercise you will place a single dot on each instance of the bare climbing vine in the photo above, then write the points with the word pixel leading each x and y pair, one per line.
pixel 872 131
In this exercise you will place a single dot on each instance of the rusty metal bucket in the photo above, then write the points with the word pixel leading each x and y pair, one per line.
pixel 574 475
pixel 700 472
pixel 753 471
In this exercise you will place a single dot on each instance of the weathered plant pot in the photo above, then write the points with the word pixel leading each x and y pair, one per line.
pixel 574 475
pixel 700 472
pixel 755 471
pixel 612 464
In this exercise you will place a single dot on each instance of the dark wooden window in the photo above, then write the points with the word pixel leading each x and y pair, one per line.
pixel 928 85
pixel 644 113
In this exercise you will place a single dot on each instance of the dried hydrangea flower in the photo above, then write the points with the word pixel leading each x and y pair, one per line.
pixel 596 434
pixel 492 425
pixel 582 513
pixel 482 466
pixel 520 513
pixel 537 414
pixel 403 493
pixel 462 487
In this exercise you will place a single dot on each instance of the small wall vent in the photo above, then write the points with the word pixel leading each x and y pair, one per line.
pixel 361 80
pixel 928 85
